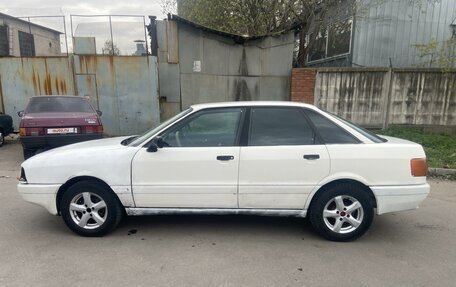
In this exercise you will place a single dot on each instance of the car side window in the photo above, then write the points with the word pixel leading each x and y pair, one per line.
pixel 279 126
pixel 209 128
pixel 330 132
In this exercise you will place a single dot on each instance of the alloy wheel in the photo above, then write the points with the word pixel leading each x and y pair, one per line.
pixel 343 214
pixel 88 210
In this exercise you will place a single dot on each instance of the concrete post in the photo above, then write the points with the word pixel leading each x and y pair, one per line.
pixel 387 93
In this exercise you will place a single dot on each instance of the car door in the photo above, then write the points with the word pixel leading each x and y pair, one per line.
pixel 282 161
pixel 198 165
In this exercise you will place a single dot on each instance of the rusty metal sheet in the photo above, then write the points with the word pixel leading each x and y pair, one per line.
pixel 173 42
pixel 87 87
pixel 22 78
pixel 124 88
pixel 255 70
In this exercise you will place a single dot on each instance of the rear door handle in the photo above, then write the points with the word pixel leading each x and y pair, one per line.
pixel 311 156
pixel 225 157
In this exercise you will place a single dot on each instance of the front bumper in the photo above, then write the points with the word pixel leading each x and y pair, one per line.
pixel 399 198
pixel 53 141
pixel 41 194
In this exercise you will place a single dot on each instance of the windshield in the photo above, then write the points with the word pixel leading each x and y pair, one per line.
pixel 145 136
pixel 368 134
pixel 59 105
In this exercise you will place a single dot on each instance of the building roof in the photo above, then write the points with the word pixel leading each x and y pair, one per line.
pixel 237 38
pixel 2 15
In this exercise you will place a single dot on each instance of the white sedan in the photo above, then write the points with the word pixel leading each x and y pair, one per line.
pixel 259 158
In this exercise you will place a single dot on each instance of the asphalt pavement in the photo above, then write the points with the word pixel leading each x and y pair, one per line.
pixel 414 248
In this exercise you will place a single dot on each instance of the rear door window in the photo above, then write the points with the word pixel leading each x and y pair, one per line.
pixel 279 126
pixel 330 132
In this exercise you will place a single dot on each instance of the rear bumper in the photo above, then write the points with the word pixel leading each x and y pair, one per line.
pixel 41 194
pixel 52 141
pixel 399 198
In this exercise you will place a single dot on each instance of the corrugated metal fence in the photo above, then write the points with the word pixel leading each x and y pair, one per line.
pixel 378 97
pixel 123 87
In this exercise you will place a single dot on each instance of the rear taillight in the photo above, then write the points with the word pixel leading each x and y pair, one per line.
pixel 92 129
pixel 31 132
pixel 419 167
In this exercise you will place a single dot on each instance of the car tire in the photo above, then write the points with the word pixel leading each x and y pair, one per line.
pixel 90 209
pixel 342 212
pixel 28 153
pixel 2 138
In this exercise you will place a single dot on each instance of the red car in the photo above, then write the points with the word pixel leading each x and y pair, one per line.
pixel 52 121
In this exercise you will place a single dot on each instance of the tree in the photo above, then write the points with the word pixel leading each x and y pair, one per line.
pixel 110 48
pixel 438 54
pixel 168 6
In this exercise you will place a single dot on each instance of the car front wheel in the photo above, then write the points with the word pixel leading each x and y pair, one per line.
pixel 2 138
pixel 90 209
pixel 342 212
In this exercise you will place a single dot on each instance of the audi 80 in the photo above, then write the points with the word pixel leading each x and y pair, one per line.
pixel 259 158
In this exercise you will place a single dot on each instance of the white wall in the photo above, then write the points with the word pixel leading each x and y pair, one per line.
pixel 47 42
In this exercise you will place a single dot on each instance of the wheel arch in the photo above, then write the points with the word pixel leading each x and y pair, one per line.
pixel 77 179
pixel 339 181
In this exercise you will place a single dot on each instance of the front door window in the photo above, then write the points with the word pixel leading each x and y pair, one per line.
pixel 210 128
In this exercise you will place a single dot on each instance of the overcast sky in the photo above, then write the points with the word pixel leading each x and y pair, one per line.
pixel 125 30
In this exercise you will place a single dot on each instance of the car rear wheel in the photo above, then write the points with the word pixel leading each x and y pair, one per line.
pixel 90 209
pixel 341 213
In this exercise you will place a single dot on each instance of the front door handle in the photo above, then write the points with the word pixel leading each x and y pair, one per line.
pixel 225 157
pixel 311 156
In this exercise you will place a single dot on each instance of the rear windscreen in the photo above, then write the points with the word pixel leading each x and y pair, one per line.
pixel 59 105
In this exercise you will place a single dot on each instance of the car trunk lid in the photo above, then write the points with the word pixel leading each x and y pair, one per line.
pixel 37 124
pixel 59 120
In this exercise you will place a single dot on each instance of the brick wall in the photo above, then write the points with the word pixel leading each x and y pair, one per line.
pixel 303 85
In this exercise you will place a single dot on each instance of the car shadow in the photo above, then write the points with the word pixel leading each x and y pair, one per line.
pixel 208 224
pixel 385 228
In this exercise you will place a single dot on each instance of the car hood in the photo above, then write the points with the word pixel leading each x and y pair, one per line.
pixel 104 144
pixel 106 159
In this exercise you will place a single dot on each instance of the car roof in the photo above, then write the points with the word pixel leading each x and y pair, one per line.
pixel 251 104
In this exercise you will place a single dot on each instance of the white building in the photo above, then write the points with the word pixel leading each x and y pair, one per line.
pixel 20 38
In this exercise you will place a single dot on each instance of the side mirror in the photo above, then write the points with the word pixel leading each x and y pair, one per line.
pixel 20 113
pixel 159 142
pixel 99 113
pixel 152 148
